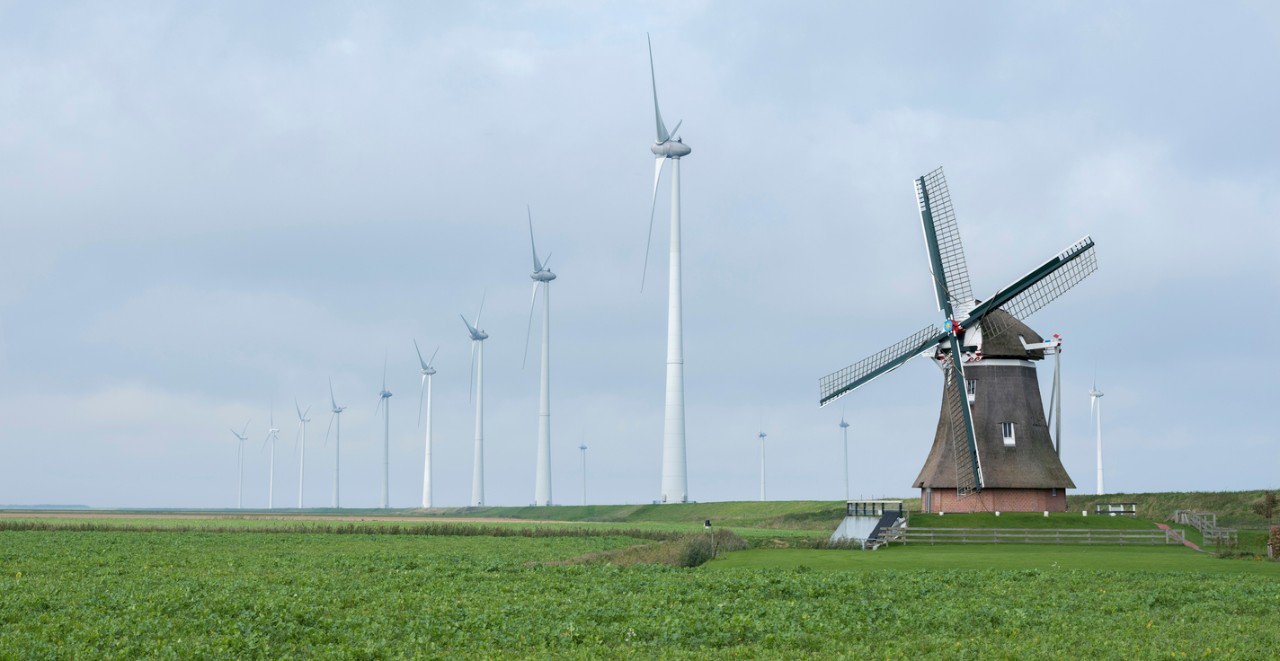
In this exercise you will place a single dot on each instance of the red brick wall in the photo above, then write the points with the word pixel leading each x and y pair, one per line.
pixel 996 500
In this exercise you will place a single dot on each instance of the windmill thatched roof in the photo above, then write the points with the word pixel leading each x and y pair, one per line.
pixel 1004 393
pixel 1000 331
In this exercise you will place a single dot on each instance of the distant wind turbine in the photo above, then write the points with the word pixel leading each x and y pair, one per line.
pixel 240 435
pixel 844 426
pixel 477 376
pixel 583 447
pixel 302 455
pixel 427 371
pixel 762 435
pixel 1095 409
pixel 542 277
pixel 273 435
pixel 335 423
pixel 675 482
pixel 384 403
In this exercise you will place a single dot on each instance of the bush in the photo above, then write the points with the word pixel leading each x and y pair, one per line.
pixel 697 548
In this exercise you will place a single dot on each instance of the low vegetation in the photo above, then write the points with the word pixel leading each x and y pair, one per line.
pixel 198 594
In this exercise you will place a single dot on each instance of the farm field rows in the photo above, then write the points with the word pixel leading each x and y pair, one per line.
pixel 117 594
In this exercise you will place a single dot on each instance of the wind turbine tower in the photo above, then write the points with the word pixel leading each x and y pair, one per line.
pixel 384 403
pixel 427 371
pixel 477 373
pixel 302 456
pixel 583 447
pixel 1095 407
pixel 273 435
pixel 675 482
pixel 542 277
pixel 761 436
pixel 240 435
pixel 336 422
pixel 844 427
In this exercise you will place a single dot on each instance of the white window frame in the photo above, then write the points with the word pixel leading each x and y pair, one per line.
pixel 1009 431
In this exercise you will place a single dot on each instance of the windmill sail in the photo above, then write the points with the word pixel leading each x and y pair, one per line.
pixel 1038 288
pixel 833 386
pixel 964 441
pixel 939 220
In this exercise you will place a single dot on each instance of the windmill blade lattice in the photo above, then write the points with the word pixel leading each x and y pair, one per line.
pixel 935 205
pixel 1042 286
pixel 958 429
pixel 839 383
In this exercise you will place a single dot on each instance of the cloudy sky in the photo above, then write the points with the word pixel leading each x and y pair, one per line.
pixel 210 207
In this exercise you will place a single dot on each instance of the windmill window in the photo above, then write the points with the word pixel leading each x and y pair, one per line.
pixel 971 387
pixel 1006 430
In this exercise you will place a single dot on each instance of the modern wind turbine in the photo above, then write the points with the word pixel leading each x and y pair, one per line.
pixel 240 435
pixel 1095 411
pixel 844 427
pixel 384 403
pixel 273 435
pixel 992 439
pixel 583 447
pixel 427 371
pixel 335 423
pixel 477 376
pixel 302 455
pixel 542 277
pixel 669 147
pixel 762 435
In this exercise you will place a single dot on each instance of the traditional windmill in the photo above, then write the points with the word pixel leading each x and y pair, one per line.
pixel 992 450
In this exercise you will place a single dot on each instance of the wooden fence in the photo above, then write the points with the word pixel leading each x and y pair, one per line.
pixel 1030 536
pixel 1207 524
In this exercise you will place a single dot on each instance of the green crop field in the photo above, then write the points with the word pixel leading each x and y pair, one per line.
pixel 121 594
pixel 588 582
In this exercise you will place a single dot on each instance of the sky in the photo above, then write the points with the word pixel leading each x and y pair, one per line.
pixel 211 209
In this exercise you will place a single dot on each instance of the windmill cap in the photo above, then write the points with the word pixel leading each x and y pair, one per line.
pixel 1005 343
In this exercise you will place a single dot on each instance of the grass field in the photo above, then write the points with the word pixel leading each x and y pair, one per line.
pixel 1001 557
pixel 252 595
pixel 292 587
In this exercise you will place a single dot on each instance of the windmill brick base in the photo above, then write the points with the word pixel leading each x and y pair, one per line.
pixel 994 500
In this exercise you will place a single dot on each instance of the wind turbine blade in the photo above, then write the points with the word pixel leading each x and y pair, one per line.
pixel 332 400
pixel 384 372
pixel 663 136
pixel 433 357
pixel 546 263
pixel 329 428
pixel 470 329
pixel 533 301
pixel 537 266
pixel 420 360
pixel 675 131
pixel 483 294
pixel 246 427
pixel 648 241
pixel 233 431
pixel 297 408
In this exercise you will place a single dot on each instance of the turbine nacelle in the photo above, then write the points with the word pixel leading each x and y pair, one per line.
pixel 670 149
pixel 545 275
